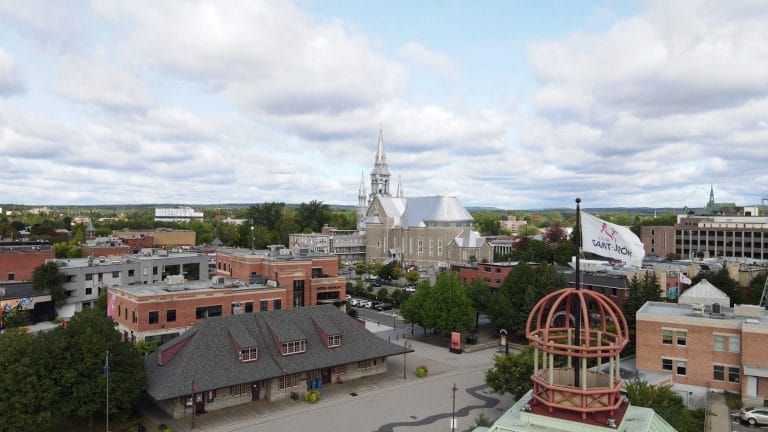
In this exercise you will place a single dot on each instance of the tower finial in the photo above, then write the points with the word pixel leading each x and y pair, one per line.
pixel 400 185
pixel 381 158
pixel 711 194
pixel 361 190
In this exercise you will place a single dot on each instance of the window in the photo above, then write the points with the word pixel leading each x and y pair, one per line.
pixel 119 310
pixel 115 274
pixel 211 395
pixel 248 307
pixel 277 304
pixel 239 390
pixel 430 246
pixel 718 373
pixel 734 344
pixel 131 273
pixel 317 272
pixel 249 354
pixel 11 276
pixel 334 341
pixel 208 311
pixel 718 343
pixel 294 347
pixel 89 276
pixel 133 316
pixel 666 364
pixel 288 381
pixel 666 337
pixel 682 367
pixel 498 270
pixel 682 338
pixel 88 291
pixel 420 246
pixel 154 270
pixel 614 292
pixel 733 375
pixel 263 305
pixel 365 364
pixel 170 315
pixel 70 278
pixel 439 247
pixel 154 317
pixel 486 269
pixel 101 277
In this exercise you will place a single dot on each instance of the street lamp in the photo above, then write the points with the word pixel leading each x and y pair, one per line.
pixel 406 346
pixel 504 342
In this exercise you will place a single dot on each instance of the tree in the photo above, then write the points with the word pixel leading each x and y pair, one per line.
pixel 531 250
pixel 16 318
pixel 414 308
pixel 267 215
pixel 511 373
pixel 412 276
pixel 390 271
pixel 564 252
pixel 80 349
pixel 488 223
pixel 506 311
pixel 554 234
pixel 26 382
pixel 756 289
pixel 449 307
pixel 361 268
pixel 313 216
pixel 667 404
pixel 49 279
pixel 481 296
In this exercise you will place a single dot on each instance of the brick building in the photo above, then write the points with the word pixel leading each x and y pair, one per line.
pixel 491 273
pixel 706 346
pixel 658 240
pixel 19 259
pixel 307 279
pixel 163 310
pixel 163 236
pixel 104 246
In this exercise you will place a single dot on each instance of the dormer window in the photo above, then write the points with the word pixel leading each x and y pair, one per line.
pixel 249 354
pixel 294 347
pixel 334 340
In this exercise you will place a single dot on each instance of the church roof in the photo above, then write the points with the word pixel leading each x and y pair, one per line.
pixel 469 239
pixel 415 212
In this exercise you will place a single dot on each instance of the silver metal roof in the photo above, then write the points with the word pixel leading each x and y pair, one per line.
pixel 415 212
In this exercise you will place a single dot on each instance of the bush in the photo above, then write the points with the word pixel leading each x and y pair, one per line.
pixel 421 371
pixel 733 400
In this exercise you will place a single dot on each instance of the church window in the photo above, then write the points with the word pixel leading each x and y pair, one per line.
pixel 430 247
pixel 420 246
pixel 439 247
pixel 378 245
pixel 410 246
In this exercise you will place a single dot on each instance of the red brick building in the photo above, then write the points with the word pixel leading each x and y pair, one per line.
pixel 163 310
pixel 138 242
pixel 307 279
pixel 492 273
pixel 706 346
pixel 19 259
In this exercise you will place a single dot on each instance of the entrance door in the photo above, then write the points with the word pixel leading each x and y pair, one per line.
pixel 255 390
pixel 199 403
pixel 326 376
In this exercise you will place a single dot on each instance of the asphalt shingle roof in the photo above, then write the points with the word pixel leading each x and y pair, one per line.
pixel 210 360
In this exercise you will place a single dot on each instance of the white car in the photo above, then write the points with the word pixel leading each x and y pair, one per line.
pixel 366 304
pixel 355 302
pixel 410 289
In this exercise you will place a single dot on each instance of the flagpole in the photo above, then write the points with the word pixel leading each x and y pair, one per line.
pixel 577 305
pixel 107 371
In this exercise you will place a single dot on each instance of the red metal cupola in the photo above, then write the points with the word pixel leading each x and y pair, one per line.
pixel 572 331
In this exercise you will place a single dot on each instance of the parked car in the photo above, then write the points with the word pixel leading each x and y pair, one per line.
pixel 355 302
pixel 410 289
pixel 366 304
pixel 376 283
pixel 383 306
pixel 754 416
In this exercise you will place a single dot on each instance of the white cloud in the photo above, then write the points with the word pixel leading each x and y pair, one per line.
pixel 439 63
pixel 95 81
pixel 9 80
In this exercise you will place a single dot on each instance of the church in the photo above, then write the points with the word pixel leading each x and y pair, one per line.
pixel 427 231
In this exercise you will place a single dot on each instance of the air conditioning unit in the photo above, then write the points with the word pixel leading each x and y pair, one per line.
pixel 218 280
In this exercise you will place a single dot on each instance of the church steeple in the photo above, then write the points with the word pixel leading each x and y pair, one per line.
pixel 711 194
pixel 399 186
pixel 361 206
pixel 380 173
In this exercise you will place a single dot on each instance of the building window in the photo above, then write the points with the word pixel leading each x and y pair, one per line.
pixel 119 310
pixel 115 274
pixel 249 354
pixel 378 245
pixel 430 247
pixel 294 347
pixel 133 316
pixel 718 343
pixel 170 315
pixel 70 278
pixel 88 291
pixel 11 276
pixel 666 364
pixel 498 270
pixel 420 246
pixel 89 276
pixel 131 273
pixel 365 364
pixel 154 317
pixel 239 390
pixel 334 341
pixel 734 344
pixel 208 311
pixel 263 305
pixel 211 395
pixel 154 270
pixel 101 277
pixel 288 381
pixel 666 337
pixel 614 292
pixel 718 373
pixel 487 269
pixel 682 367
pixel 277 304
pixel 733 375
pixel 440 247
pixel 248 307
pixel 682 338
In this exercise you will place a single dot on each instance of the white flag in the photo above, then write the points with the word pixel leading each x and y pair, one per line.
pixel 611 240
pixel 684 279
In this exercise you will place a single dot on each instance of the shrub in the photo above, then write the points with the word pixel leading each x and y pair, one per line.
pixel 421 371
pixel 733 400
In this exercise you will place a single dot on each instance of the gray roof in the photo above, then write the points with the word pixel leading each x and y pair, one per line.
pixel 415 212
pixel 594 279
pixel 469 239
pixel 15 290
pixel 210 359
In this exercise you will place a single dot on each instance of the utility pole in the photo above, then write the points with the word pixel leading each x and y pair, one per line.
pixel 106 371
pixel 453 409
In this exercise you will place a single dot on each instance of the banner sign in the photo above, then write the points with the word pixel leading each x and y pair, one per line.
pixel 610 240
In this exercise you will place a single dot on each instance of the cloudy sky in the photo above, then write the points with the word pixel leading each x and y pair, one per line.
pixel 517 105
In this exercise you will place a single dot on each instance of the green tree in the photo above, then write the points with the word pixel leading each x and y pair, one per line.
pixel 49 279
pixel 511 373
pixel 16 318
pixel 666 403
pixel 449 308
pixel 488 223
pixel 414 308
pixel 26 382
pixel 412 276
pixel 756 289
pixel 481 296
pixel 531 250
pixel 390 271
pixel 267 215
pixel 313 216
pixel 81 349
pixel 564 252
pixel 146 347
pixel 361 268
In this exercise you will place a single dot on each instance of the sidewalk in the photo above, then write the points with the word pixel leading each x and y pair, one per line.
pixel 719 417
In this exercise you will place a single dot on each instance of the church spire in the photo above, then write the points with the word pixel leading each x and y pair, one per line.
pixel 711 194
pixel 380 172
pixel 361 190
pixel 381 157
pixel 400 185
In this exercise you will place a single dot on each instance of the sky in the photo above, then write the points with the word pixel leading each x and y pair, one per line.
pixel 507 104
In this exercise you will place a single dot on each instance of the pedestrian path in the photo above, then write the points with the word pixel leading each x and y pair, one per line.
pixel 719 416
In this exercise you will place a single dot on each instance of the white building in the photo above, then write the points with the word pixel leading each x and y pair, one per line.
pixel 177 214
